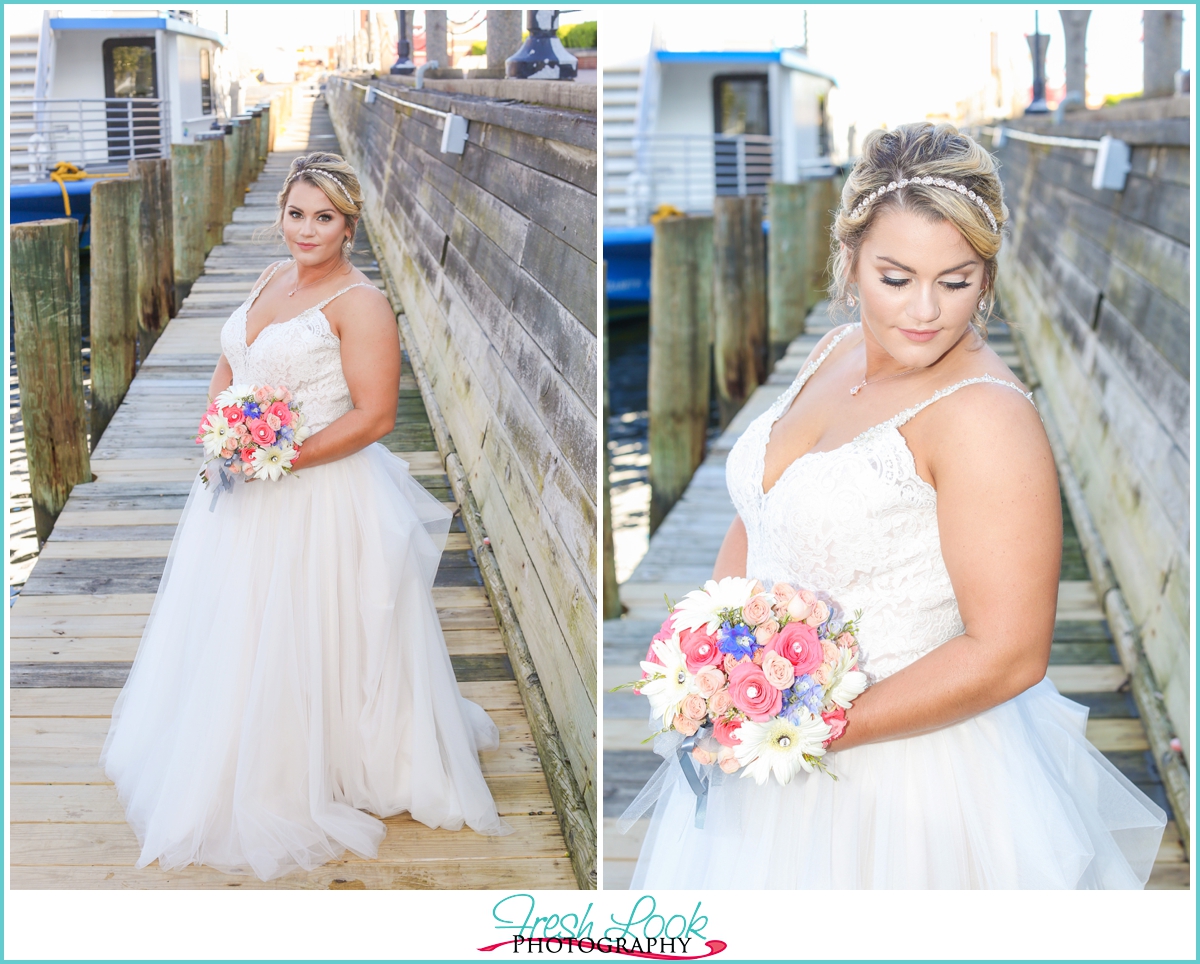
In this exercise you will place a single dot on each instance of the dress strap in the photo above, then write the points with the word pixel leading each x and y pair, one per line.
pixel 898 420
pixel 262 284
pixel 784 400
pixel 360 284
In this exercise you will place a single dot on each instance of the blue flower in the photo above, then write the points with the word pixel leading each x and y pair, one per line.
pixel 806 694
pixel 252 410
pixel 286 433
pixel 738 641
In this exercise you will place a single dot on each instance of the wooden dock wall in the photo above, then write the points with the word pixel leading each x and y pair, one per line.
pixel 1097 283
pixel 493 255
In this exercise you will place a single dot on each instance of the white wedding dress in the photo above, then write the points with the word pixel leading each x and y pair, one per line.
pixel 1015 797
pixel 293 673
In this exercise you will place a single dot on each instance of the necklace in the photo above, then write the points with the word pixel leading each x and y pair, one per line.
pixel 311 283
pixel 863 384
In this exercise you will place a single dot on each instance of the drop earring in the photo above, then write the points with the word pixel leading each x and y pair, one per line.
pixel 982 304
pixel 850 302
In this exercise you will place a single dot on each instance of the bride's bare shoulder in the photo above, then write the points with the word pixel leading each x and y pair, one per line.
pixel 829 338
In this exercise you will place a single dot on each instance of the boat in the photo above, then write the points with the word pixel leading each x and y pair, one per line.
pixel 91 93
pixel 685 127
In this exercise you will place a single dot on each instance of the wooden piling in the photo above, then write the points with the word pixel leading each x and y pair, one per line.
pixel 165 230
pixel 264 136
pixel 156 255
pixel 612 592
pixel 739 302
pixel 188 179
pixel 230 197
pixel 48 337
pixel 824 198
pixel 273 121
pixel 213 194
pixel 681 285
pixel 788 263
pixel 116 246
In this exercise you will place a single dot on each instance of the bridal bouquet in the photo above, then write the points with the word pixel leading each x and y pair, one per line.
pixel 252 432
pixel 758 680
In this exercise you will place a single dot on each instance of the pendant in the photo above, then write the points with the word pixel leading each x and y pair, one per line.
pixel 857 388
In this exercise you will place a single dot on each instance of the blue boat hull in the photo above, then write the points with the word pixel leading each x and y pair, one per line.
pixel 43 199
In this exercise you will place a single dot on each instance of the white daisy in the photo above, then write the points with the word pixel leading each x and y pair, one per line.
pixel 217 436
pixel 845 684
pixel 780 746
pixel 669 683
pixel 702 607
pixel 233 393
pixel 270 462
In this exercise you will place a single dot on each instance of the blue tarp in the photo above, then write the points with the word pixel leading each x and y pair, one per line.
pixel 43 199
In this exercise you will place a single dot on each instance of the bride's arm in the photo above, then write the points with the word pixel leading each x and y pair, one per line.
pixel 364 322
pixel 222 378
pixel 731 559
pixel 1000 523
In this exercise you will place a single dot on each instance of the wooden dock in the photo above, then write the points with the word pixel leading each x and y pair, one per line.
pixel 78 619
pixel 1083 662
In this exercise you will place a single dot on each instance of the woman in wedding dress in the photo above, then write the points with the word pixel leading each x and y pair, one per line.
pixel 292 678
pixel 906 473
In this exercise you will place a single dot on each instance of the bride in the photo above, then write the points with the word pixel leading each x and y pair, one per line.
pixel 906 473
pixel 292 678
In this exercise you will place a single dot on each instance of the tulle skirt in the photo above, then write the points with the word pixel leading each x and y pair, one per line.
pixel 1015 797
pixel 293 674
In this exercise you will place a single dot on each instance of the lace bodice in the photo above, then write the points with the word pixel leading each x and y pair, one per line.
pixel 302 354
pixel 855 524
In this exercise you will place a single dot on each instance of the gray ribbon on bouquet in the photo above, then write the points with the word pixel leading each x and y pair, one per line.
pixel 224 485
pixel 681 747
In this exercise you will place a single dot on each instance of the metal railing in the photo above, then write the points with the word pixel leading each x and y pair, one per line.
pixel 97 134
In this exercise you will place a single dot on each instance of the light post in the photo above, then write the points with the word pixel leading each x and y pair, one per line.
pixel 404 62
pixel 1038 42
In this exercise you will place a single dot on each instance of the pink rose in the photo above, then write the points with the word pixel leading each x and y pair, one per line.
pixel 845 640
pixel 685 726
pixel 234 414
pixel 665 631
pixel 729 662
pixel 757 658
pixel 755 588
pixel 778 670
pixel 783 594
pixel 699 649
pixel 720 702
pixel 727 760
pixel 837 724
pixel 819 614
pixel 756 610
pixel 273 421
pixel 651 657
pixel 709 682
pixel 821 674
pixel 281 412
pixel 263 395
pixel 695 707
pixel 764 631
pixel 246 455
pixel 798 607
pixel 703 756
pixel 260 431
pixel 241 431
pixel 799 645
pixel 832 653
pixel 752 694
pixel 285 396
pixel 725 732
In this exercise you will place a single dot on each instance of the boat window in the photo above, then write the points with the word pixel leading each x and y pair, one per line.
pixel 740 104
pixel 206 104
pixel 129 69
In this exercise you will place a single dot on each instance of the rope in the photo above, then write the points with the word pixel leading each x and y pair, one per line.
pixel 64 171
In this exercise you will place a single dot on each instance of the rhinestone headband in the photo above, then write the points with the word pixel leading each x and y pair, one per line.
pixel 317 170
pixel 935 181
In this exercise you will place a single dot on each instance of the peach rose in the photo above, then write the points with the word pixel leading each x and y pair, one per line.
pixel 757 658
pixel 845 640
pixel 783 594
pixel 819 614
pixel 778 670
pixel 273 421
pixel 756 610
pixel 799 645
pixel 727 760
pixel 752 694
pixel 725 732
pixel 832 653
pixel 699 649
pixel 821 674
pixel 720 702
pixel 703 756
pixel 764 631
pixel 695 707
pixel 798 607
pixel 729 662
pixel 685 726
pixel 263 395
pixel 709 681
pixel 241 431
pixel 755 588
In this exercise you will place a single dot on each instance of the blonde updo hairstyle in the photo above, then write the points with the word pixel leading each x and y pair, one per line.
pixel 337 181
pixel 912 151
